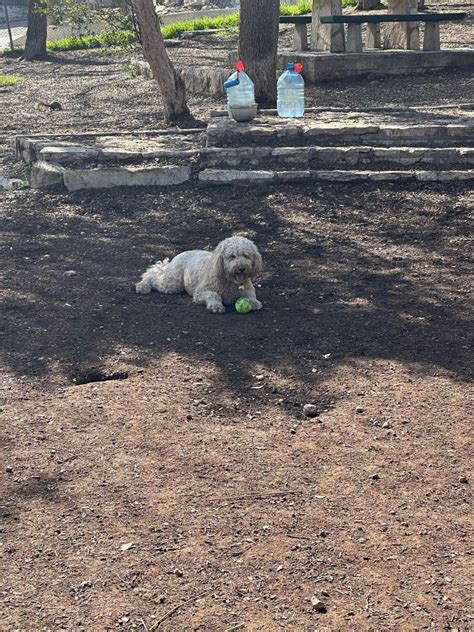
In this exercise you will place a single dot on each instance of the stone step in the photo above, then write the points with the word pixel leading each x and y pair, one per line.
pixel 240 177
pixel 323 158
pixel 336 128
pixel 111 147
pixel 45 175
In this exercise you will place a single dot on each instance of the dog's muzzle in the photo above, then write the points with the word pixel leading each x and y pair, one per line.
pixel 241 276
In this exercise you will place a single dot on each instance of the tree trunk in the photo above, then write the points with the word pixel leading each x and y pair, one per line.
pixel 170 83
pixel 258 44
pixel 367 5
pixel 37 31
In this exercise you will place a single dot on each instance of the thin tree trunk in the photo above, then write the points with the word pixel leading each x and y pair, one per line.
pixel 37 31
pixel 258 44
pixel 170 83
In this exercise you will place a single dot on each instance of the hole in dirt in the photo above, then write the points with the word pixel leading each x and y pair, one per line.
pixel 98 376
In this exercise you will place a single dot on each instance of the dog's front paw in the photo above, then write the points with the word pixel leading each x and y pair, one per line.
pixel 142 288
pixel 216 308
pixel 256 304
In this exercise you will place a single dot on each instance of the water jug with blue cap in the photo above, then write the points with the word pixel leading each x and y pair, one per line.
pixel 241 103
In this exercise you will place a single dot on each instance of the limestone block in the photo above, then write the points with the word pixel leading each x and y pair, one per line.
pixel 61 154
pixel 412 133
pixel 207 80
pixel 445 176
pixel 169 153
pixel 103 178
pixel 390 176
pixel 292 155
pixel 45 175
pixel 343 131
pixel 340 176
pixel 289 131
pixel 118 153
pixel 230 176
pixel 293 176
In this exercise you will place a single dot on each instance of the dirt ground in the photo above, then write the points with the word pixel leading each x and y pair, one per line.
pixel 191 493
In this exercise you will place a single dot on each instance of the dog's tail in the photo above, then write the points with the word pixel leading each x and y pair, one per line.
pixel 151 279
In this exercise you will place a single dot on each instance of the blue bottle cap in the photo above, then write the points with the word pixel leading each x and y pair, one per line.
pixel 230 83
pixel 291 66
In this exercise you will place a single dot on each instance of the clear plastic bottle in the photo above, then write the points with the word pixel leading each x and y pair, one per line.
pixel 290 92
pixel 240 88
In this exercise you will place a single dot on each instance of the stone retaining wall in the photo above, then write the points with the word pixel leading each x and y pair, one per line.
pixel 206 80
pixel 330 66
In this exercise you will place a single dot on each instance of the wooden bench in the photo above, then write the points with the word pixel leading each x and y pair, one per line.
pixel 300 37
pixel 354 27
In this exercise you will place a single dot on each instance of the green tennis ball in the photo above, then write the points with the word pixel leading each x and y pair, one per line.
pixel 243 305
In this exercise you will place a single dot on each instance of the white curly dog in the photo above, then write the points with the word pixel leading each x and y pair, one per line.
pixel 213 278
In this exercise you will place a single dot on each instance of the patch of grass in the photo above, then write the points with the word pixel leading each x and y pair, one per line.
pixel 201 24
pixel 9 80
pixel 112 39
pixel 118 39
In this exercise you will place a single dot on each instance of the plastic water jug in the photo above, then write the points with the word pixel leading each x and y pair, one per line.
pixel 290 92
pixel 240 88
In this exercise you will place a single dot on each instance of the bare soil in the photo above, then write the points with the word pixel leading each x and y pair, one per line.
pixel 158 471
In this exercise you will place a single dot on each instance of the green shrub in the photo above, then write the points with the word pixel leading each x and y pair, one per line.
pixel 301 8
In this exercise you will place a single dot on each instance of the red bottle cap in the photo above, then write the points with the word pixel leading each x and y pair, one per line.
pixel 298 67
pixel 240 65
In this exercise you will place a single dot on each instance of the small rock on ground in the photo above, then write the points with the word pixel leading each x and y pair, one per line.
pixel 310 410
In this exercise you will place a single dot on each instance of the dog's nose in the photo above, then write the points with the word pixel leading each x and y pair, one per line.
pixel 241 269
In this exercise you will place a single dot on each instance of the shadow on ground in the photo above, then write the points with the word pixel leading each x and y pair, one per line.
pixel 350 272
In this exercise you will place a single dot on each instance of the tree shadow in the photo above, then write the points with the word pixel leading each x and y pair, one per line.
pixel 90 60
pixel 350 272
pixel 37 487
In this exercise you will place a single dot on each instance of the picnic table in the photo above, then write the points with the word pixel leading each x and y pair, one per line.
pixel 327 27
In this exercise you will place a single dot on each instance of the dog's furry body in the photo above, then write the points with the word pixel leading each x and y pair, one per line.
pixel 214 278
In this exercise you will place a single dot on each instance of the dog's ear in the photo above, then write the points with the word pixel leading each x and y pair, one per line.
pixel 217 261
pixel 257 261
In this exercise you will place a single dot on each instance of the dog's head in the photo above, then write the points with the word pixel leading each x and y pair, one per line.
pixel 237 259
